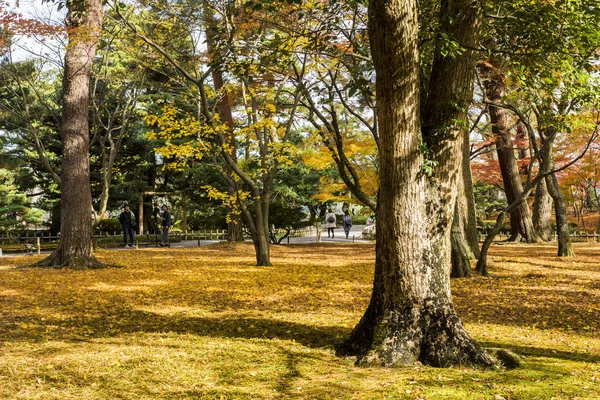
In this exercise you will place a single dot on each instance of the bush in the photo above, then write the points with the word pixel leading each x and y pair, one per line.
pixel 109 225
pixel 360 219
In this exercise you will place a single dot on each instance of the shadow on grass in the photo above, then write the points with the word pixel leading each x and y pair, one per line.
pixel 127 321
pixel 530 351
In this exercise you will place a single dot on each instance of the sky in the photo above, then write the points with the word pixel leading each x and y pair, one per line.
pixel 25 47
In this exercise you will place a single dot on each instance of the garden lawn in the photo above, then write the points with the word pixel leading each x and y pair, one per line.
pixel 206 323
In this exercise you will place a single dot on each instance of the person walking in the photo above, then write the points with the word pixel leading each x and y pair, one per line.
pixel 347 222
pixel 127 220
pixel 330 224
pixel 167 222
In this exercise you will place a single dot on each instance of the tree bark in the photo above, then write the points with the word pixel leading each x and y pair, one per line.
pixel 520 219
pixel 542 210
pixel 481 266
pixel 234 227
pixel 461 253
pixel 411 316
pixel 75 249
pixel 565 248
pixel 464 240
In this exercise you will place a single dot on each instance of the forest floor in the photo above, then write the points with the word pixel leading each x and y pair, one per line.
pixel 205 323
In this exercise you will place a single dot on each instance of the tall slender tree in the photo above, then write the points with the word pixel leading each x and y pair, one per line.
pixel 84 27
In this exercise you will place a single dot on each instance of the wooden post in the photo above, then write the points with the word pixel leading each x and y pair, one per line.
pixel 38 242
pixel 141 214
pixel 318 229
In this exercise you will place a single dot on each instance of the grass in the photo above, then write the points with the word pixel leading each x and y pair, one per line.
pixel 206 324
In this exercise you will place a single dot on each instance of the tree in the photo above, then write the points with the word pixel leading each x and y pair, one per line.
pixel 551 65
pixel 264 113
pixel 116 85
pixel 411 317
pixel 493 77
pixel 84 23
pixel 14 205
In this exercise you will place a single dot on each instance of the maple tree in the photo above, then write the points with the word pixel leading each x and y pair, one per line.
pixel 552 76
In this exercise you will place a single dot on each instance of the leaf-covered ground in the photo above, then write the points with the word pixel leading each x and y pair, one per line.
pixel 206 323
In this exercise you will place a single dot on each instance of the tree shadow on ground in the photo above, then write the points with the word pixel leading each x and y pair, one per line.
pixel 532 351
pixel 128 321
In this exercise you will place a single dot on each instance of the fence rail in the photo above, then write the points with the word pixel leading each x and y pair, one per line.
pixel 11 242
pixel 576 237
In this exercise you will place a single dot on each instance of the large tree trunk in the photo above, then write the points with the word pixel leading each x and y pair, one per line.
pixel 75 249
pixel 411 316
pixel 542 211
pixel 520 219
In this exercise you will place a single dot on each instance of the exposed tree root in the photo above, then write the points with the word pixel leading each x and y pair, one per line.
pixel 58 261
pixel 432 335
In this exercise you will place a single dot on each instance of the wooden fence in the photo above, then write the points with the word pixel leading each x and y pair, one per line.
pixel 576 237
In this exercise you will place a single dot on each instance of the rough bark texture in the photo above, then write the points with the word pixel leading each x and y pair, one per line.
pixel 520 219
pixel 565 248
pixel 469 216
pixel 411 316
pixel 76 233
pixel 542 211
pixel 461 253
pixel 481 266
pixel 465 246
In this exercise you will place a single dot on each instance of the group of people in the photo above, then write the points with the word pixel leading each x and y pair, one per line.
pixel 331 223
pixel 128 223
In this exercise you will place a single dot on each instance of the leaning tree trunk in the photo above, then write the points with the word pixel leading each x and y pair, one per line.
pixel 411 316
pixel 84 22
pixel 520 219
pixel 542 211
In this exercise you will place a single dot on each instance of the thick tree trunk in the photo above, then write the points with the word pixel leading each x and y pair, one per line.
pixel 76 236
pixel 411 316
pixel 520 219
pixel 542 211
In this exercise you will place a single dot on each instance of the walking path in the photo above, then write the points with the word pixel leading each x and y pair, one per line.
pixel 355 236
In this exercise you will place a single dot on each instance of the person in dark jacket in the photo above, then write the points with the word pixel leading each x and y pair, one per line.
pixel 127 220
pixel 347 222
pixel 167 222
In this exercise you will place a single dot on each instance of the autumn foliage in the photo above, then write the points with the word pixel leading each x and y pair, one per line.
pixel 12 23
pixel 207 323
